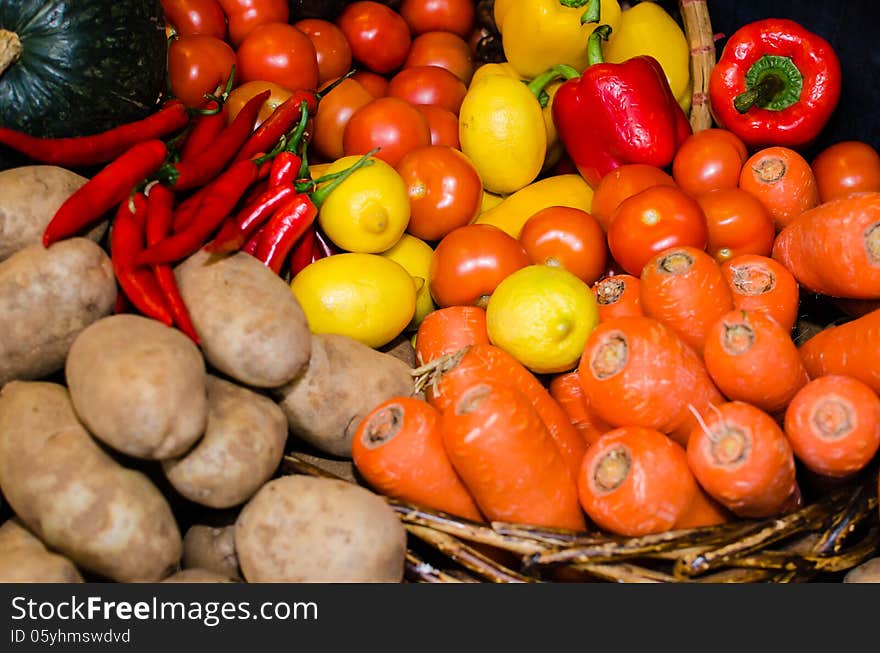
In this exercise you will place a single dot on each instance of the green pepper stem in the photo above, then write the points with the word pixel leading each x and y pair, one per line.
pixel 320 195
pixel 592 14
pixel 296 135
pixel 336 83
pixel 594 44
pixel 219 99
pixel 760 94
pixel 536 86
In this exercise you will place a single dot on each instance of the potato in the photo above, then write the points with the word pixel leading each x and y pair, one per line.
pixel 73 496
pixel 250 325
pixel 196 576
pixel 47 296
pixel 24 559
pixel 211 548
pixel 29 197
pixel 401 348
pixel 241 449
pixel 867 572
pixel 344 381
pixel 138 386
pixel 302 529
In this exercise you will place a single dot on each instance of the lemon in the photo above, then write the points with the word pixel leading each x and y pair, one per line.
pixel 542 316
pixel 415 255
pixel 369 211
pixel 364 296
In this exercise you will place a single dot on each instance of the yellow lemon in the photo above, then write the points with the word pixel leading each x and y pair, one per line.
pixel 415 255
pixel 369 211
pixel 364 296
pixel 542 316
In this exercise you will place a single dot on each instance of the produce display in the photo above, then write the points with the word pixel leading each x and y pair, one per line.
pixel 432 291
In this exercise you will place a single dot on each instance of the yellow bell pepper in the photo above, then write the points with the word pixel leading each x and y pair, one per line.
pixel 500 9
pixel 648 29
pixel 490 201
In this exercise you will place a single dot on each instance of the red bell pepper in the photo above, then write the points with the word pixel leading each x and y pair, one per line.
pixel 776 83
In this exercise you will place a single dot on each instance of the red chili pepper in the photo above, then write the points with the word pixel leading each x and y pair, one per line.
pixel 285 116
pixel 303 251
pixel 88 204
pixel 97 148
pixel 284 228
pixel 206 128
pixel 236 231
pixel 250 247
pixel 776 83
pixel 285 168
pixel 324 247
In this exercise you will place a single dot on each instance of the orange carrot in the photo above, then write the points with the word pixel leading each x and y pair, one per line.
pixel 618 296
pixel 751 358
pixel 704 511
pixel 398 449
pixel 759 283
pixel 849 349
pixel 502 451
pixel 635 371
pixel 483 362
pixel 742 459
pixel 783 181
pixel 567 391
pixel 834 249
pixel 833 425
pixel 446 330
pixel 684 288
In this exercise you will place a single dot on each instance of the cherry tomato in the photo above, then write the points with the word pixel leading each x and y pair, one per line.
pixel 445 190
pixel 569 238
pixel 189 17
pixel 376 85
pixel 470 262
pixel 707 160
pixel 378 35
pixel 240 95
pixel 443 125
pixel 331 48
pixel 738 224
pixel 336 109
pixel 456 16
pixel 651 221
pixel 242 16
pixel 428 85
pixel 389 123
pixel 846 167
pixel 280 53
pixel 198 65
pixel 443 49
pixel 621 183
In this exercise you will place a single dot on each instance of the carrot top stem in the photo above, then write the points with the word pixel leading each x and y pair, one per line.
pixel 383 427
pixel 610 290
pixel 832 418
pixel 677 263
pixel 612 469
pixel 610 357
pixel 872 243
pixel 738 339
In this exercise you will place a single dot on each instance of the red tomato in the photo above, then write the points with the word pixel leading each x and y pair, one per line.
pixel 707 160
pixel 198 65
pixel 336 109
pixel 470 262
pixel 240 95
pixel 738 224
pixel 651 221
pixel 389 123
pixel 566 237
pixel 242 16
pixel 445 190
pixel 280 53
pixel 331 48
pixel 443 125
pixel 376 85
pixel 428 85
pixel 455 16
pixel 443 49
pixel 189 17
pixel 378 36
pixel 846 167
pixel 621 183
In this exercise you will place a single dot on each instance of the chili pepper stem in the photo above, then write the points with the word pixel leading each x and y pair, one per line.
pixel 594 44
pixel 537 85
pixel 591 15
pixel 335 83
pixel 221 99
pixel 297 134
pixel 10 49
pixel 320 195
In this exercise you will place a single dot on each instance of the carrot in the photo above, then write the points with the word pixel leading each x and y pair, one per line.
pixel 504 454
pixel 398 449
pixel 703 511
pixel 618 296
pixel 834 249
pixel 635 481
pixel 742 459
pixel 782 180
pixel 833 425
pixel 446 330
pixel 684 288
pixel 759 283
pixel 751 358
pixel 850 349
pixel 635 371
pixel 482 362
pixel 567 391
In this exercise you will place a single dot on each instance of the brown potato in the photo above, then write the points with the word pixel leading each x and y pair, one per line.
pixel 250 325
pixel 302 529
pixel 241 449
pixel 47 297
pixel 212 548
pixel 343 382
pixel 138 386
pixel 24 559
pixel 196 576
pixel 73 496
pixel 867 572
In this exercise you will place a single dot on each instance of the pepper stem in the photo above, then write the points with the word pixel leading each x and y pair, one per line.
pixel 219 99
pixel 325 91
pixel 594 44
pixel 296 136
pixel 320 195
pixel 536 86
pixel 591 15
pixel 772 82
pixel 761 94
pixel 10 49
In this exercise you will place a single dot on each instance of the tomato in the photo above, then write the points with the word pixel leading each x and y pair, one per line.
pixel 738 224
pixel 378 35
pixel 442 124
pixel 470 262
pixel 621 183
pixel 707 160
pixel 389 123
pixel 651 221
pixel 335 111
pixel 444 188
pixel 280 53
pixel 846 167
pixel 331 48
pixel 376 85
pixel 189 17
pixel 242 16
pixel 443 49
pixel 428 85
pixel 198 65
pixel 240 95
pixel 456 16
pixel 569 238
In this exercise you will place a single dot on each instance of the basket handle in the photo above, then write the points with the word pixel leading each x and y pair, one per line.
pixel 698 30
